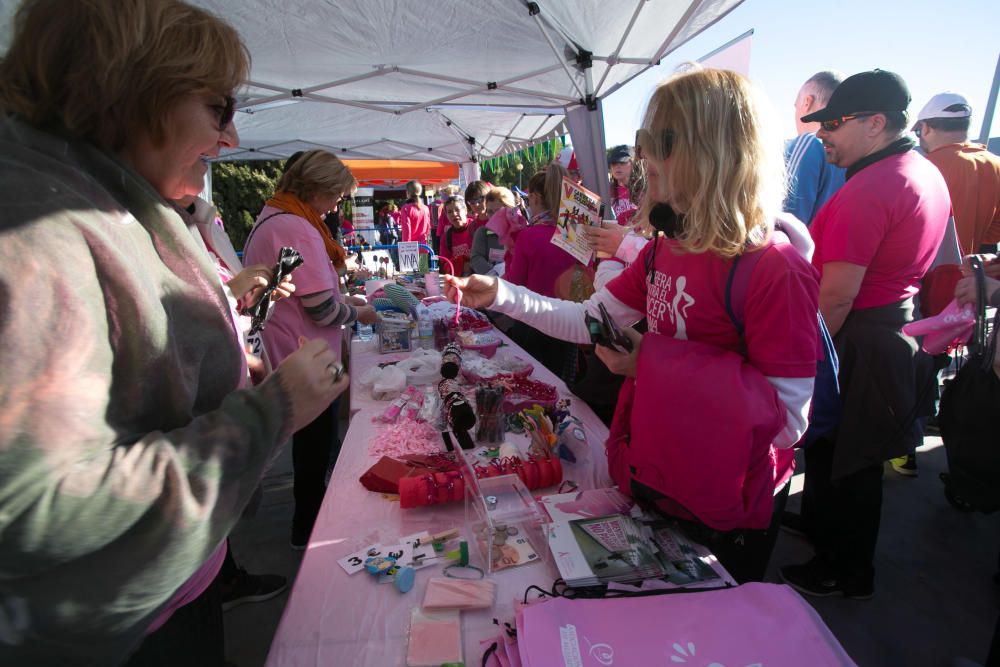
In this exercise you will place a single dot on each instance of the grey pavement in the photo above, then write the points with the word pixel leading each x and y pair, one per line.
pixel 935 598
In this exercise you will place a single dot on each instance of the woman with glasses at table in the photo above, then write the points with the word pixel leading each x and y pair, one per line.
pixel 697 434
pixel 475 200
pixel 127 449
pixel 314 184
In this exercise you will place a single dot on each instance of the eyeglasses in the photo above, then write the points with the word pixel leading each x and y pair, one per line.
pixel 226 112
pixel 834 124
pixel 645 146
pixel 476 200
pixel 919 129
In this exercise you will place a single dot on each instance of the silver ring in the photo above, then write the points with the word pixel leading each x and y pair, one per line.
pixel 336 370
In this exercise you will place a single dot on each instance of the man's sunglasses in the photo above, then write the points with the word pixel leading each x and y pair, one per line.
pixel 834 124
pixel 645 146
pixel 226 112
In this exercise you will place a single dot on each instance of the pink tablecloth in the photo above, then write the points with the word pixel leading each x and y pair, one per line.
pixel 336 619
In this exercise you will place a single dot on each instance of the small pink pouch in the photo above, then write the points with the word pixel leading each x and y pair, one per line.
pixel 435 638
pixel 448 593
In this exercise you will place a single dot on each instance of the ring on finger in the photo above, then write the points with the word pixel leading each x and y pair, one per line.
pixel 336 370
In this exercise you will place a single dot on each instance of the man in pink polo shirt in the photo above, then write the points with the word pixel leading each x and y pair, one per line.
pixel 875 239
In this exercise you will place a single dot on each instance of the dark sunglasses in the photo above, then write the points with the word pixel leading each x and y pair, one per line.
pixel 835 123
pixel 476 200
pixel 226 112
pixel 919 129
pixel 645 146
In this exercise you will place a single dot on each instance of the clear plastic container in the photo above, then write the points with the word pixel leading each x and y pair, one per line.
pixel 503 522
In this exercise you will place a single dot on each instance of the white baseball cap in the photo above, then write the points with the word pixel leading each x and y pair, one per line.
pixel 945 105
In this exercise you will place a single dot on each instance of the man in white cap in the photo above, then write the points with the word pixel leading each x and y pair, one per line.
pixel 970 170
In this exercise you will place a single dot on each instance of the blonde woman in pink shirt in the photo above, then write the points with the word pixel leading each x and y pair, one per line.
pixel 415 217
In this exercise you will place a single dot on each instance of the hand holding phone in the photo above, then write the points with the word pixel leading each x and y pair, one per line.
pixel 605 332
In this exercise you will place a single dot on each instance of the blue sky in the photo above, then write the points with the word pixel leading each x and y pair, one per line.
pixel 934 46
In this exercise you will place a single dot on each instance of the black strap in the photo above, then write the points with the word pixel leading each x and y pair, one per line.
pixel 729 296
pixel 259 223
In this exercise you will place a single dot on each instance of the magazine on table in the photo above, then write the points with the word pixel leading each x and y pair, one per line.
pixel 599 536
pixel 577 206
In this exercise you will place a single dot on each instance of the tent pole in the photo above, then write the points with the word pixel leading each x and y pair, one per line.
pixel 991 107
pixel 555 51
pixel 613 58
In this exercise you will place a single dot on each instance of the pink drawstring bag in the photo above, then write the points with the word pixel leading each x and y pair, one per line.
pixel 952 326
pixel 507 223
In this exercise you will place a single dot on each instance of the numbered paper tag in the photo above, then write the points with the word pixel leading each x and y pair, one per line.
pixel 356 561
pixel 409 256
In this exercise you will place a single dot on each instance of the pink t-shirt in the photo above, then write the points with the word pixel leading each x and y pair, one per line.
pixel 620 202
pixel 889 217
pixel 460 249
pixel 289 319
pixel 536 263
pixel 415 222
pixel 687 301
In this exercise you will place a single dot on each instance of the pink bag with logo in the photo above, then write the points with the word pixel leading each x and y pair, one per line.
pixel 753 625
pixel 952 326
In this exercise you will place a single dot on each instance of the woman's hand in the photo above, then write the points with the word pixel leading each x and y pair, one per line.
pixel 475 291
pixel 367 315
pixel 621 363
pixel 991 265
pixel 357 301
pixel 604 239
pixel 965 290
pixel 309 375
pixel 250 283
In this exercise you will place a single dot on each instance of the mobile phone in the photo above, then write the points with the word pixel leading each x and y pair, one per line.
pixel 605 332
pixel 619 340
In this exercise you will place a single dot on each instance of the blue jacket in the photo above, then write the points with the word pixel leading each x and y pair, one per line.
pixel 811 179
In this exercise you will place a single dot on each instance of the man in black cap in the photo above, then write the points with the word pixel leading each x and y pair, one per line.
pixel 875 239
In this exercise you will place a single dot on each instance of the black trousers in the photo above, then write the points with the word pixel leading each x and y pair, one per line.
pixel 314 448
pixel 194 636
pixel 744 552
pixel 557 355
pixel 843 516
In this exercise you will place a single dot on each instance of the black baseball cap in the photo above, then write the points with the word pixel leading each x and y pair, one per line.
pixel 620 154
pixel 877 90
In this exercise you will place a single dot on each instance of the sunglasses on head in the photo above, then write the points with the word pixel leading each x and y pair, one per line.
pixel 226 112
pixel 645 146
pixel 834 123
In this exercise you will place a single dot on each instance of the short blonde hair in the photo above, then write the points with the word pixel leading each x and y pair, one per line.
pixel 105 70
pixel 726 173
pixel 317 172
pixel 501 195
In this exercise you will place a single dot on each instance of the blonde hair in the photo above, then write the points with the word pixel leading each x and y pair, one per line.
pixel 450 190
pixel 501 195
pixel 317 172
pixel 413 190
pixel 726 172
pixel 548 184
pixel 105 70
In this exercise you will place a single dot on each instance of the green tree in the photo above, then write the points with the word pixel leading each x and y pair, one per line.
pixel 239 190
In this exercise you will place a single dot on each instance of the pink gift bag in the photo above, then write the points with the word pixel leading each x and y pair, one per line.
pixel 754 625
pixel 952 326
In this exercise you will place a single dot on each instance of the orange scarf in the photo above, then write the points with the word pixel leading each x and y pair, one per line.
pixel 289 203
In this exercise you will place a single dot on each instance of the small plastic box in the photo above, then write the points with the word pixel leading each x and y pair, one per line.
pixel 503 522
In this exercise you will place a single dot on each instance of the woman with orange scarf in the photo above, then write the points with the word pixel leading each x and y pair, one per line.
pixel 312 185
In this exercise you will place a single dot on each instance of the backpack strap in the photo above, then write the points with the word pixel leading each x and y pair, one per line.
pixel 738 284
pixel 261 222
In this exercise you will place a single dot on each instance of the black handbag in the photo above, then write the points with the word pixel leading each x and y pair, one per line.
pixel 969 418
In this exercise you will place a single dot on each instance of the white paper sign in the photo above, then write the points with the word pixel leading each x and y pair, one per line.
pixel 409 256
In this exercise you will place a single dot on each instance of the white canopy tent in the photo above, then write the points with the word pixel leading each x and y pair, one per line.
pixel 442 80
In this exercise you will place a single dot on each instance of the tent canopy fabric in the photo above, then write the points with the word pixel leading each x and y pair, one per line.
pixel 443 81
pixel 397 172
